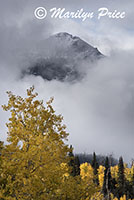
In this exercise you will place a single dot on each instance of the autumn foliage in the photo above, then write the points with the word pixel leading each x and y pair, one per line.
pixel 35 164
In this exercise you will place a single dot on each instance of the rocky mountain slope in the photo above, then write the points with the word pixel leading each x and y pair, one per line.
pixel 64 58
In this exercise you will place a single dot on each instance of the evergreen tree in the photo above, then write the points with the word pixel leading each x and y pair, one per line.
pixel 107 186
pixel 95 167
pixel 74 163
pixel 71 162
pixel 77 166
pixel 121 178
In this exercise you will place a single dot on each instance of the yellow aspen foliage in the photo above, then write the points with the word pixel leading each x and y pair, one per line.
pixel 128 173
pixel 114 171
pixel 115 198
pixel 90 189
pixel 101 175
pixel 35 160
pixel 123 198
pixel 97 196
pixel 32 160
pixel 86 171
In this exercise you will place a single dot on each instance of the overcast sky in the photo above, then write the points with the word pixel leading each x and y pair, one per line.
pixel 98 111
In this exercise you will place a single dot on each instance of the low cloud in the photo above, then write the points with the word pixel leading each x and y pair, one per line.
pixel 98 110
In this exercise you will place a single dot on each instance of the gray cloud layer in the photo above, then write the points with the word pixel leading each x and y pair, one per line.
pixel 99 110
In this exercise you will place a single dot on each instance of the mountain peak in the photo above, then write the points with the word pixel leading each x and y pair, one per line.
pixel 64 58
pixel 64 35
pixel 66 41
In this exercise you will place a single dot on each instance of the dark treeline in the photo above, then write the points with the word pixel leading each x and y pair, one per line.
pixel 83 157
pixel 118 187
